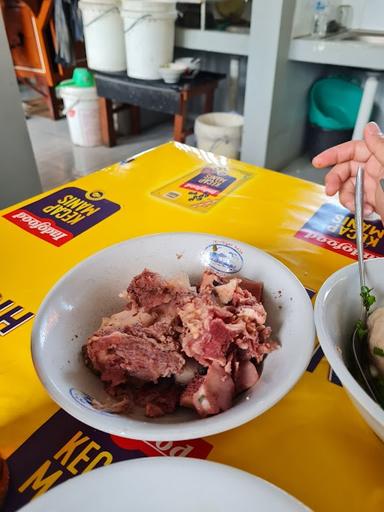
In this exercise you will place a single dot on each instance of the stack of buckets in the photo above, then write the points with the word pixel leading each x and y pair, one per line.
pixel 132 35
pixel 136 36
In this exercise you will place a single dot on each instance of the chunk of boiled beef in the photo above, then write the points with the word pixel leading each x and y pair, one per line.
pixel 187 396
pixel 253 348
pixel 209 280
pixel 263 349
pixel 211 393
pixel 226 291
pixel 264 332
pixel 125 319
pixel 169 335
pixel 256 288
pixel 248 307
pixel 243 371
pixel 245 376
pixel 190 370
pixel 124 404
pixel 205 336
pixel 158 399
pixel 225 287
pixel 136 353
pixel 149 290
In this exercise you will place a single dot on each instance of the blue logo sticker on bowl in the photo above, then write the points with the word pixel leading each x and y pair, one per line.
pixel 222 258
pixel 84 400
pixel 81 398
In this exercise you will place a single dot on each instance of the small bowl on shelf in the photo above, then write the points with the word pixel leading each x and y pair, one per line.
pixel 171 73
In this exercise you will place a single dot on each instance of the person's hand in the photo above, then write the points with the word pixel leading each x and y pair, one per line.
pixel 345 159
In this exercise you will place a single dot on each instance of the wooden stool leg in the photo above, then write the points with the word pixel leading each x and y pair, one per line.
pixel 208 103
pixel 180 120
pixel 108 134
pixel 49 94
pixel 53 103
pixel 135 119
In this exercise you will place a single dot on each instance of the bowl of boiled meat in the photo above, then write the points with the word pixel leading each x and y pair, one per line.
pixel 173 336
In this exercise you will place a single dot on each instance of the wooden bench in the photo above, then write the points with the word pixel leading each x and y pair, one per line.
pixel 152 95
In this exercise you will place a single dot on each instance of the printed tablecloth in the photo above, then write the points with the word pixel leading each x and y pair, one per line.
pixel 313 443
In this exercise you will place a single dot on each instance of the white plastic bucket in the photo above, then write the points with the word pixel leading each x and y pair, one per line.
pixel 103 35
pixel 220 133
pixel 148 6
pixel 82 110
pixel 149 37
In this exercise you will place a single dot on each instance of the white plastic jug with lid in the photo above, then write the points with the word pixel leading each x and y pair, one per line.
pixel 81 107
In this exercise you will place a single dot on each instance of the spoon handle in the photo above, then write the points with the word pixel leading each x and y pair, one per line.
pixel 359 199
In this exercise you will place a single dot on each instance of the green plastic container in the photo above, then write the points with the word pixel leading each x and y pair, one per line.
pixel 334 103
pixel 81 78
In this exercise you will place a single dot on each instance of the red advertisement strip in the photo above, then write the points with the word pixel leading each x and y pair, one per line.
pixel 46 229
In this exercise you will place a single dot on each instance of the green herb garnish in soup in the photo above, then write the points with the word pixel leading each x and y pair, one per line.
pixel 361 329
pixel 378 351
pixel 368 298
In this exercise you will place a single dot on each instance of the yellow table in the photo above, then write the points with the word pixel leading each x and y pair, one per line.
pixel 313 443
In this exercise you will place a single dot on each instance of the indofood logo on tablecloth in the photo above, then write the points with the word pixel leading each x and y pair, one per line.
pixel 333 227
pixel 59 217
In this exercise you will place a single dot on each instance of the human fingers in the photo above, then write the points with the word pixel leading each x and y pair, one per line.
pixel 337 176
pixel 375 141
pixel 351 150
pixel 347 195
pixel 379 199
pixel 347 198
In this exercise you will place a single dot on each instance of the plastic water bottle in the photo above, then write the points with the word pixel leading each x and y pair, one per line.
pixel 320 17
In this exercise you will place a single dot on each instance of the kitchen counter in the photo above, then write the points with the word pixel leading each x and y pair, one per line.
pixel 338 52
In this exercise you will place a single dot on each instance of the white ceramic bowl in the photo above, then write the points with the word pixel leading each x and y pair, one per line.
pixel 171 74
pixel 336 310
pixel 74 307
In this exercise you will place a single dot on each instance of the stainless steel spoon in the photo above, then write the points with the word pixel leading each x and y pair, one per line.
pixel 360 350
